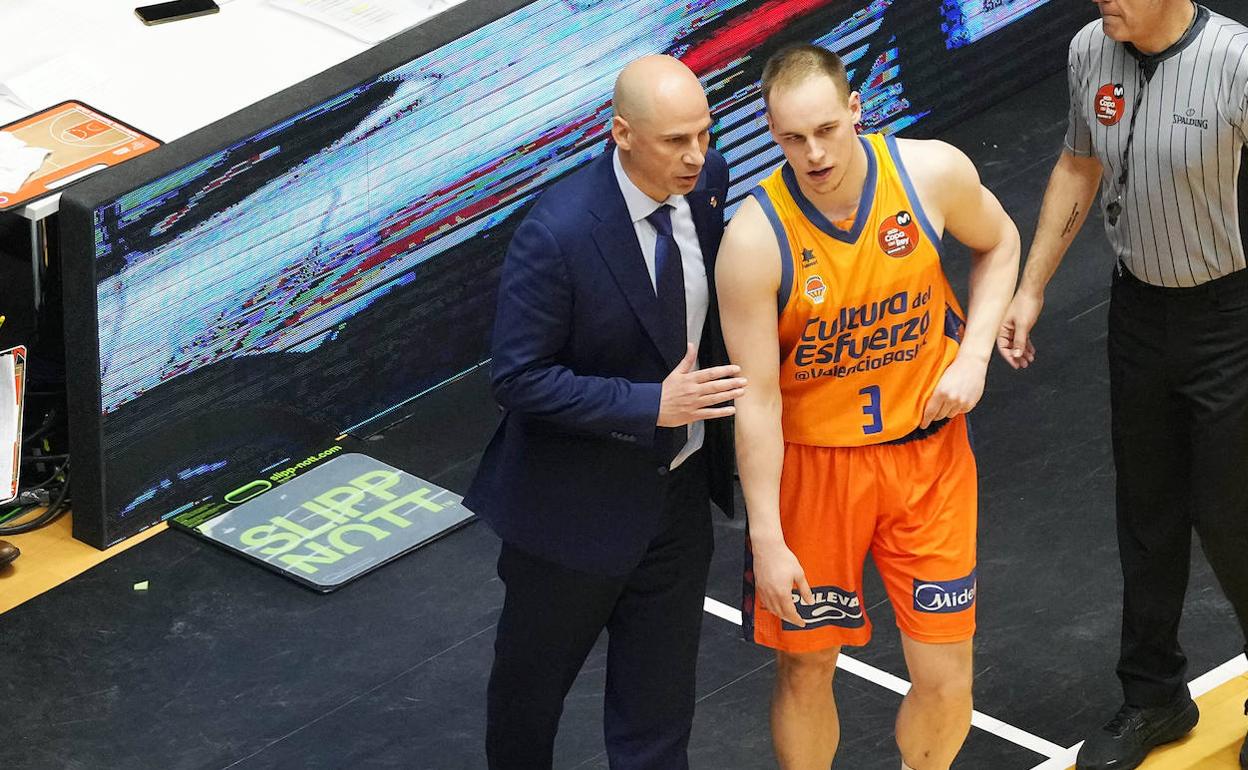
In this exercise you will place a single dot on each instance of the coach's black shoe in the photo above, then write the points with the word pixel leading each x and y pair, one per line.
pixel 1127 738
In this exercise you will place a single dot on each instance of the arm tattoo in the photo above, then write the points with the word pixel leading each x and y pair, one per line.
pixel 1070 223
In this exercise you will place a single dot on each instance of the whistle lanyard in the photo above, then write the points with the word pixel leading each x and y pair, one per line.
pixel 1114 209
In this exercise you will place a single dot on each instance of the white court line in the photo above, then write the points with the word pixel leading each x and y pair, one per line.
pixel 1210 680
pixel 889 681
pixel 1236 666
pixel 1062 761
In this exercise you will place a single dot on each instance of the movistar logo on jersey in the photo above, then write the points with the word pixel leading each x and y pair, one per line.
pixel 832 606
pixel 1189 120
pixel 945 595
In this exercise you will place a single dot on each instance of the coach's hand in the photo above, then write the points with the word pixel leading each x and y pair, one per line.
pixel 958 390
pixel 1014 339
pixel 689 396
pixel 776 572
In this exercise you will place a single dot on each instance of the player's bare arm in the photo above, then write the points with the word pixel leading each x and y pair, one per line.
pixel 1067 200
pixel 957 203
pixel 747 276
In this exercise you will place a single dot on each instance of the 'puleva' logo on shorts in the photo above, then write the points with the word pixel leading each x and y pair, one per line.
pixel 944 595
pixel 833 606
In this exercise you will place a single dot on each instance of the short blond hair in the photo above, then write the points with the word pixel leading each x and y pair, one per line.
pixel 795 63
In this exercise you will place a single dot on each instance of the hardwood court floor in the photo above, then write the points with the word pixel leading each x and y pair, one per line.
pixel 51 556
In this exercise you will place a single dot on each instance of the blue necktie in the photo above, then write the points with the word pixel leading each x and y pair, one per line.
pixel 669 284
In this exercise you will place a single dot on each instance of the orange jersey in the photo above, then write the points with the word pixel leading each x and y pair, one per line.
pixel 867 320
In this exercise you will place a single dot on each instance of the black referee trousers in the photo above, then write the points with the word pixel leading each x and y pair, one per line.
pixel 1178 362
pixel 552 616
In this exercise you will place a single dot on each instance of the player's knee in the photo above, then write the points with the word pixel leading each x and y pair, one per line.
pixel 949 692
pixel 807 669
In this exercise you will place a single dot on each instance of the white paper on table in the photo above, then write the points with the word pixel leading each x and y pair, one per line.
pixel 60 79
pixel 18 161
pixel 368 20
pixel 10 425
pixel 7 94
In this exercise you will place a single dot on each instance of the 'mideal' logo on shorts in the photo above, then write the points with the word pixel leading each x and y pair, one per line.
pixel 832 606
pixel 944 595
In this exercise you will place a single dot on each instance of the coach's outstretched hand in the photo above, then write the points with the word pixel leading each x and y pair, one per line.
pixel 689 395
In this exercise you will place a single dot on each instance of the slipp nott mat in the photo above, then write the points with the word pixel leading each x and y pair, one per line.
pixel 335 522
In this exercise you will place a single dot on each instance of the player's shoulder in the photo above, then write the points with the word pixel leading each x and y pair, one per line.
pixel 942 175
pixel 749 239
pixel 933 160
pixel 749 226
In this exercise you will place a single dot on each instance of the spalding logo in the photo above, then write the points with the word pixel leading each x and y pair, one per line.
pixel 899 235
pixel 1109 104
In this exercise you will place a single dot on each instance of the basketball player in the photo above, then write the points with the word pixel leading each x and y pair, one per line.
pixel 852 439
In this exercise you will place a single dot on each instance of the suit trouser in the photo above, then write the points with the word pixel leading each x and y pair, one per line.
pixel 1178 361
pixel 552 616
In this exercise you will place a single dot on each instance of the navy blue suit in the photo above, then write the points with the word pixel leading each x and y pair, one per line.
pixel 573 474
pixel 597 532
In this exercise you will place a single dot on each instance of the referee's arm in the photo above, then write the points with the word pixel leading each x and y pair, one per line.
pixel 1069 196
pixel 1067 200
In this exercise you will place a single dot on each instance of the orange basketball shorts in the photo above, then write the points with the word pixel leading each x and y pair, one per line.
pixel 913 506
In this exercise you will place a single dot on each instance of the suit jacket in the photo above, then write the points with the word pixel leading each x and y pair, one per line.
pixel 574 474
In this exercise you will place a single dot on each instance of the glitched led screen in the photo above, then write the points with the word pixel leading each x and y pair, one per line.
pixel 317 274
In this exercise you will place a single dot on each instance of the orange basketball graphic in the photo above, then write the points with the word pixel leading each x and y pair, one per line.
pixel 815 288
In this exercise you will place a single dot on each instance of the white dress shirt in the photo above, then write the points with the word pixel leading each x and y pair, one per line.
pixel 697 292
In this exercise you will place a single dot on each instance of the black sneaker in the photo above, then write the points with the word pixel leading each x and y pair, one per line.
pixel 1127 738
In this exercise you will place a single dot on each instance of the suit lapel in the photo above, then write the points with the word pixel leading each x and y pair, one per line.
pixel 706 208
pixel 707 219
pixel 617 243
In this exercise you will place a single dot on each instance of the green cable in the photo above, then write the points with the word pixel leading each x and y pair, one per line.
pixel 12 514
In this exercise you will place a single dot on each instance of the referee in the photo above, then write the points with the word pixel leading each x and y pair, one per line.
pixel 1158 119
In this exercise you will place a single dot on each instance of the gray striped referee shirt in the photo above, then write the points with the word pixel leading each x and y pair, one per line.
pixel 1184 210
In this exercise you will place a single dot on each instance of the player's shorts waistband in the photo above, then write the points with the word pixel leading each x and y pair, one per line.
pixel 918 434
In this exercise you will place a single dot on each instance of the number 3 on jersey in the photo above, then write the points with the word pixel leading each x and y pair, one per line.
pixel 872 409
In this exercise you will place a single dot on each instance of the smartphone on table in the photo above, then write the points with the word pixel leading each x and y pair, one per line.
pixel 175 10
